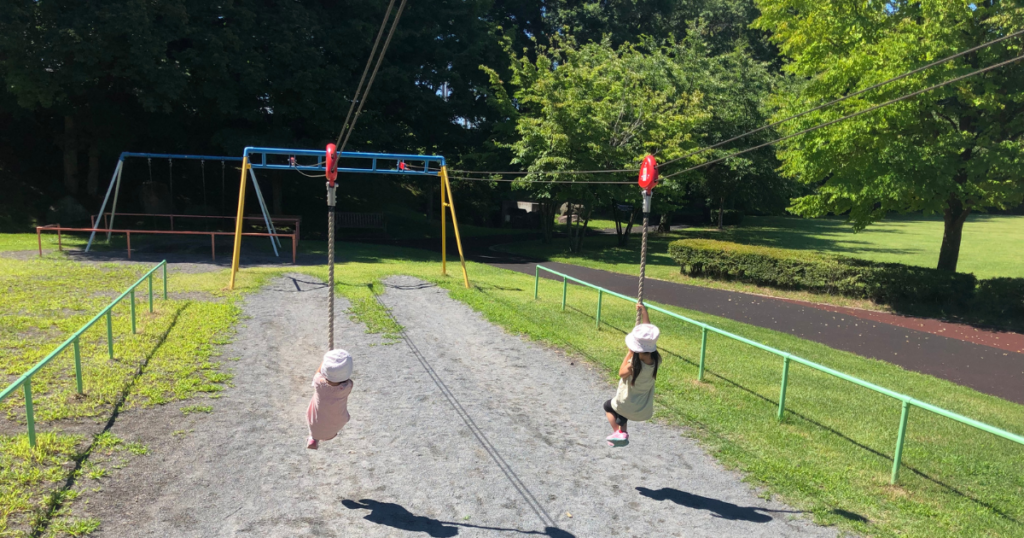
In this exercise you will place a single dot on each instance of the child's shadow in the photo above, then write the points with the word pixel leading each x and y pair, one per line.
pixel 394 515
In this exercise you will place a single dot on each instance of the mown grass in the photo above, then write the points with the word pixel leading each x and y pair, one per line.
pixel 170 358
pixel 832 455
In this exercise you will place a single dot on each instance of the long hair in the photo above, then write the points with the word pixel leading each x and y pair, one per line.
pixel 635 364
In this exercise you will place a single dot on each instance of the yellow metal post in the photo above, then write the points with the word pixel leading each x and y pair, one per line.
pixel 444 232
pixel 455 223
pixel 238 224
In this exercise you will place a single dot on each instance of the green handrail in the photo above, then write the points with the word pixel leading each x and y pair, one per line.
pixel 25 381
pixel 786 358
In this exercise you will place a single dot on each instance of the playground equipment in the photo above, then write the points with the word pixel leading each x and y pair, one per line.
pixel 313 163
pixel 647 180
pixel 108 217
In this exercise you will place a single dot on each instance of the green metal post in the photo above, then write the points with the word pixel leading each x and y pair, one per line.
pixel 110 335
pixel 600 294
pixel 78 366
pixel 703 348
pixel 29 413
pixel 899 443
pixel 782 392
pixel 165 281
pixel 132 297
pixel 536 281
pixel 151 293
pixel 565 287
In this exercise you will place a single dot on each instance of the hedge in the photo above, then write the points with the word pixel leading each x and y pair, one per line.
pixel 888 283
pixel 1000 298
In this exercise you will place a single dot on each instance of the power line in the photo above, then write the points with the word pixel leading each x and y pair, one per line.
pixel 369 61
pixel 544 182
pixel 849 116
pixel 844 98
pixel 553 172
pixel 380 59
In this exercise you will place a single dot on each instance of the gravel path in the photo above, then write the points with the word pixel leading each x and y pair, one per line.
pixel 457 429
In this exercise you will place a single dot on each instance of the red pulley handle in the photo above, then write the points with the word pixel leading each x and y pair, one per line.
pixel 648 174
pixel 331 169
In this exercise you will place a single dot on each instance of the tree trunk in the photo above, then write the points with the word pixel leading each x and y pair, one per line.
pixel 93 179
pixel 70 156
pixel 665 224
pixel 275 185
pixel 953 219
pixel 721 209
pixel 547 219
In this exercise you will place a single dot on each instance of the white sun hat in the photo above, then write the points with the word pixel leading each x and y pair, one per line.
pixel 337 366
pixel 643 338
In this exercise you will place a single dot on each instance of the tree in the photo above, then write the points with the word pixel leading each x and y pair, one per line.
pixel 594 107
pixel 950 151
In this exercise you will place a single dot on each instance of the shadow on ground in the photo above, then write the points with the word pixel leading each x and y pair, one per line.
pixel 398 517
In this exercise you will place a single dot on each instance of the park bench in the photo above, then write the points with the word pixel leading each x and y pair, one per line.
pixel 362 221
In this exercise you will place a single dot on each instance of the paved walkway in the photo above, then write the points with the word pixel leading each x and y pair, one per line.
pixel 945 350
pixel 458 429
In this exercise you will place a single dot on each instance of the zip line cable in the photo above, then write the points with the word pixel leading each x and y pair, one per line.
pixel 380 60
pixel 545 182
pixel 850 116
pixel 777 123
pixel 369 61
pixel 844 98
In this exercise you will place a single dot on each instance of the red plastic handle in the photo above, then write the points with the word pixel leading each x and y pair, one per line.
pixel 648 173
pixel 332 164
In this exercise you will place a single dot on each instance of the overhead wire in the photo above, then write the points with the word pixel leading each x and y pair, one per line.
pixel 773 124
pixel 844 98
pixel 380 60
pixel 369 61
pixel 850 116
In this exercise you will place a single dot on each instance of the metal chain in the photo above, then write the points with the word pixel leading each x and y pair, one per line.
pixel 643 266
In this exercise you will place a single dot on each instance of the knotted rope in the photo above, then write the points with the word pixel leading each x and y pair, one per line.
pixel 643 266
pixel 330 268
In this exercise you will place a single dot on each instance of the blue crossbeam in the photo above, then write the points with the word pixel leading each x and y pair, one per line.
pixel 258 160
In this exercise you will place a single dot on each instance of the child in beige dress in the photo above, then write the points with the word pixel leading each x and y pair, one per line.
pixel 328 409
pixel 634 400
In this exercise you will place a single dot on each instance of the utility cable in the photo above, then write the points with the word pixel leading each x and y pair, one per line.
pixel 544 182
pixel 850 116
pixel 841 99
pixel 369 61
pixel 380 60
pixel 779 122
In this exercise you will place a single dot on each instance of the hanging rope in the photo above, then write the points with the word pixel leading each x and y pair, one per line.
pixel 330 268
pixel 643 258
pixel 170 181
pixel 223 189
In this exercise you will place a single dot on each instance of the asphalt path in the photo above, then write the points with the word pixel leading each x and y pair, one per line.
pixel 987 369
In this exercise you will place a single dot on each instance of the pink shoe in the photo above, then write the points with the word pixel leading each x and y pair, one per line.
pixel 312 444
pixel 619 438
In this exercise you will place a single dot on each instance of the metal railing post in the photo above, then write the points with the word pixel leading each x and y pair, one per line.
pixel 600 294
pixel 536 280
pixel 703 350
pixel 899 443
pixel 165 280
pixel 782 391
pixel 30 416
pixel 151 292
pixel 78 366
pixel 565 287
pixel 110 335
pixel 132 297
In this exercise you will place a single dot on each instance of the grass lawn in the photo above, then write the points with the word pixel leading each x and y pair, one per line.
pixel 831 456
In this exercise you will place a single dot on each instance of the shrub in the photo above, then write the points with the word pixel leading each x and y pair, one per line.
pixel 889 283
pixel 1000 298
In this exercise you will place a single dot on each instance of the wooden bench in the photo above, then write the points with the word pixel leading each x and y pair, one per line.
pixel 362 221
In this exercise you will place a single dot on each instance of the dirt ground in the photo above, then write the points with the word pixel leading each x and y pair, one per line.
pixel 457 429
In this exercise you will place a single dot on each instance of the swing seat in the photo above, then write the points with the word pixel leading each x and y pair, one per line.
pixel 362 221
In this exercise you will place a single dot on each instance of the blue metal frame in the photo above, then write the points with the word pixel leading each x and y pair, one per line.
pixel 258 159
pixel 176 156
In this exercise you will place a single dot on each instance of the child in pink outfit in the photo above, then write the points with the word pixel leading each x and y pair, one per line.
pixel 328 410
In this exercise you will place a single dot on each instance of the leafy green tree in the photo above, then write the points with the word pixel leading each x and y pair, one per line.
pixel 950 151
pixel 596 107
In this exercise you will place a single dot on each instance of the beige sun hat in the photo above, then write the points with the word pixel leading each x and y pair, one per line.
pixel 643 338
pixel 337 366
